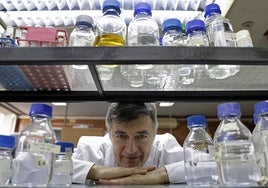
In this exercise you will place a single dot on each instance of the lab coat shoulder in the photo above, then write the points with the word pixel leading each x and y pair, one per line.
pixel 168 147
pixel 92 148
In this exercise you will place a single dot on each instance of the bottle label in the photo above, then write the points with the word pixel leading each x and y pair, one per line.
pixel 44 147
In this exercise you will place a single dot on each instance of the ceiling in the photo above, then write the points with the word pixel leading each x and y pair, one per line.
pixel 244 14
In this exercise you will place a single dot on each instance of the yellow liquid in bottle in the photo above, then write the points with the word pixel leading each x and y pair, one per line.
pixel 109 40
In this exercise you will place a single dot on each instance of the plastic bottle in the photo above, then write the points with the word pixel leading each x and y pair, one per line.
pixel 111 28
pixel 243 39
pixel 143 30
pixel 83 34
pixel 234 149
pixel 62 170
pixel 260 138
pixel 199 160
pixel 34 152
pixel 7 144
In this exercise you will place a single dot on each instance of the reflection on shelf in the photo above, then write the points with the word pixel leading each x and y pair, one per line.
pixel 45 78
pixel 182 78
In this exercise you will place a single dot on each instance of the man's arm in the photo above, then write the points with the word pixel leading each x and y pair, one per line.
pixel 158 176
pixel 98 172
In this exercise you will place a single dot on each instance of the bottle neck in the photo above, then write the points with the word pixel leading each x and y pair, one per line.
pixel 111 12
pixel 42 120
pixel 84 25
pixel 143 14
pixel 232 117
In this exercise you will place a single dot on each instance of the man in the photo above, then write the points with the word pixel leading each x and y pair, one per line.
pixel 131 152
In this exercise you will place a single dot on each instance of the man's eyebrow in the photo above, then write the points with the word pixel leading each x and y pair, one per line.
pixel 143 132
pixel 119 132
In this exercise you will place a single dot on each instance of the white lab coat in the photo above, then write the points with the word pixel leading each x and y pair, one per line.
pixel 166 151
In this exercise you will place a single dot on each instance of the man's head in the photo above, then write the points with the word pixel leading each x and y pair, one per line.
pixel 132 128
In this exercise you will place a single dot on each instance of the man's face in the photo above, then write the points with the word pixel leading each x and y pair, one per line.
pixel 132 142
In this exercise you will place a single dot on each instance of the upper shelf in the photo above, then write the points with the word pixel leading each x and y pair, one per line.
pixel 49 73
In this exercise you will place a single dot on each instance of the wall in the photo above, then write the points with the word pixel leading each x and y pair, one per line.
pixel 180 132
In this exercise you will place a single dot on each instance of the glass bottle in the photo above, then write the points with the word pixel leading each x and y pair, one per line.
pixel 243 39
pixel 111 28
pixel 173 36
pixel 260 138
pixel 34 153
pixel 220 33
pixel 83 34
pixel 234 149
pixel 196 31
pixel 199 160
pixel 7 144
pixel 62 170
pixel 143 30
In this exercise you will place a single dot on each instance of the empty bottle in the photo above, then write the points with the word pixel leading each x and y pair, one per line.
pixel 83 34
pixel 229 34
pixel 34 152
pixel 62 170
pixel 196 31
pixel 260 138
pixel 143 30
pixel 243 39
pixel 111 28
pixel 220 33
pixel 7 144
pixel 234 149
pixel 173 36
pixel 172 33
pixel 199 160
pixel 214 25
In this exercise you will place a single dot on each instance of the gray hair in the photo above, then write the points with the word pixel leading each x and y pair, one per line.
pixel 126 112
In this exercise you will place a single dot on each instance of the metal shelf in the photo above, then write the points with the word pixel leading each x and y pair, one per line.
pixel 250 84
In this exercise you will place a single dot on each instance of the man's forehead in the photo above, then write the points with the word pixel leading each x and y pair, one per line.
pixel 126 132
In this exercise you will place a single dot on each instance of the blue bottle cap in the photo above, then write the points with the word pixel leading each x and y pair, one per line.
pixel 255 119
pixel 64 145
pixel 261 107
pixel 7 141
pixel 196 121
pixel 229 108
pixel 111 4
pixel 84 20
pixel 195 25
pixel 142 7
pixel 39 108
pixel 211 9
pixel 171 23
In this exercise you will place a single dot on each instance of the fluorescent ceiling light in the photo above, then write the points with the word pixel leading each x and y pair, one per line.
pixel 59 103
pixel 166 104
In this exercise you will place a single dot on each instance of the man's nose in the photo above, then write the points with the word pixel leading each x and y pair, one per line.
pixel 131 147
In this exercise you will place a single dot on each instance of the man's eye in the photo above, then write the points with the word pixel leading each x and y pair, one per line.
pixel 121 136
pixel 143 136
